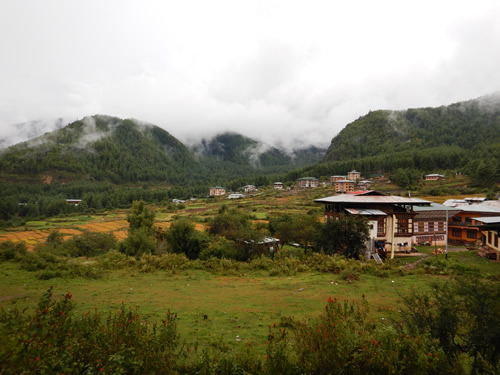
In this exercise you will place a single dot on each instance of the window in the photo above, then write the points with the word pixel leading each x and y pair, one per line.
pixel 472 234
pixel 440 226
pixel 420 226
pixel 403 226
pixel 496 240
pixel 430 226
pixel 490 237
pixel 381 226
pixel 456 233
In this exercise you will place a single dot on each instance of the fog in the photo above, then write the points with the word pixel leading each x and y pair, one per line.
pixel 288 73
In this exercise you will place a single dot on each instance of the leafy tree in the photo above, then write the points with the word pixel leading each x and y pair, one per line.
pixel 183 238
pixel 346 236
pixel 140 238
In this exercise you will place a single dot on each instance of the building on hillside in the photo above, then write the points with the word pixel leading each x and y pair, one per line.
pixel 307 182
pixel 490 228
pixel 365 185
pixel 344 186
pixel 235 196
pixel 430 224
pixel 390 217
pixel 463 229
pixel 217 190
pixel 76 202
pixel 278 186
pixel 337 178
pixel 353 175
pixel 249 188
pixel 433 177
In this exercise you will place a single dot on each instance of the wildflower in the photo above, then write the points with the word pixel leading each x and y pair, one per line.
pixel 37 358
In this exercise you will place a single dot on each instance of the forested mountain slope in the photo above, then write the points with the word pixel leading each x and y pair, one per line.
pixel 464 136
pixel 101 148
pixel 467 125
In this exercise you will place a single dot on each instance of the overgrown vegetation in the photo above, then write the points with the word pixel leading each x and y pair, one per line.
pixel 440 332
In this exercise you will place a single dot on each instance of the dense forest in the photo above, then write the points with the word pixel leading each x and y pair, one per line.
pixel 463 137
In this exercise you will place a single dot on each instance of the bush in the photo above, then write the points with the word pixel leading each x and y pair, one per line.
pixel 12 251
pixel 53 340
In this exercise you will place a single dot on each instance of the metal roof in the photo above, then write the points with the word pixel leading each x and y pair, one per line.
pixel 372 199
pixel 488 220
pixel 437 207
pixel 365 212
pixel 307 178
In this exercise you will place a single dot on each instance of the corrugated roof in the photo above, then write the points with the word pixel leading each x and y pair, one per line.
pixel 488 220
pixel 372 199
pixel 365 212
pixel 307 178
pixel 437 207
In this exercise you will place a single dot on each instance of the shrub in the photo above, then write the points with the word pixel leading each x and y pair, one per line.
pixel 53 340
pixel 12 251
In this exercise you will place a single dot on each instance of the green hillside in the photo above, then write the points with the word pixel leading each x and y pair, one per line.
pixel 463 136
pixel 101 148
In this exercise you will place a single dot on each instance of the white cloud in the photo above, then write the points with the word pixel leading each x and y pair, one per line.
pixel 286 72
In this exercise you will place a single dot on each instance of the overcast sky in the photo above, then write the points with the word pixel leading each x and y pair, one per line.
pixel 281 71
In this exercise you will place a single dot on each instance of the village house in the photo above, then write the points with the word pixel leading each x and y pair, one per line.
pixel 278 186
pixel 337 178
pixel 235 196
pixel 430 224
pixel 76 202
pixel 353 175
pixel 217 190
pixel 390 217
pixel 344 186
pixel 249 188
pixel 463 228
pixel 365 185
pixel 433 177
pixel 307 182
pixel 490 228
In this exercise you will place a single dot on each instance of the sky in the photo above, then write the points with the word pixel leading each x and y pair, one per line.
pixel 289 73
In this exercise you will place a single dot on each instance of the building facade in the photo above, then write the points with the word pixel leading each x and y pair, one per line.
pixel 307 182
pixel 217 190
pixel 390 217
pixel 353 175
pixel 344 186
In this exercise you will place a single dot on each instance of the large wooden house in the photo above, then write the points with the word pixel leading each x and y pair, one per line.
pixel 307 182
pixel 490 228
pixel 463 228
pixel 430 225
pixel 217 190
pixel 390 217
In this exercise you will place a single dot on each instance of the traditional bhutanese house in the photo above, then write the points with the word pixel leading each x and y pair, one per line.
pixel 235 196
pixel 337 178
pixel 490 228
pixel 278 186
pixel 429 225
pixel 307 182
pixel 353 175
pixel 365 184
pixel 217 190
pixel 249 188
pixel 463 229
pixel 390 217
pixel 344 186
pixel 433 177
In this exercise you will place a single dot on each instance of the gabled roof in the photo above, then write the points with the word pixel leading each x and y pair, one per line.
pixel 372 199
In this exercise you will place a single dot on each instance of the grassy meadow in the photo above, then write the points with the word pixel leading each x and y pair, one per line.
pixel 221 305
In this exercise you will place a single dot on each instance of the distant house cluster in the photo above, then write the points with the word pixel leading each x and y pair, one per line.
pixel 346 184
